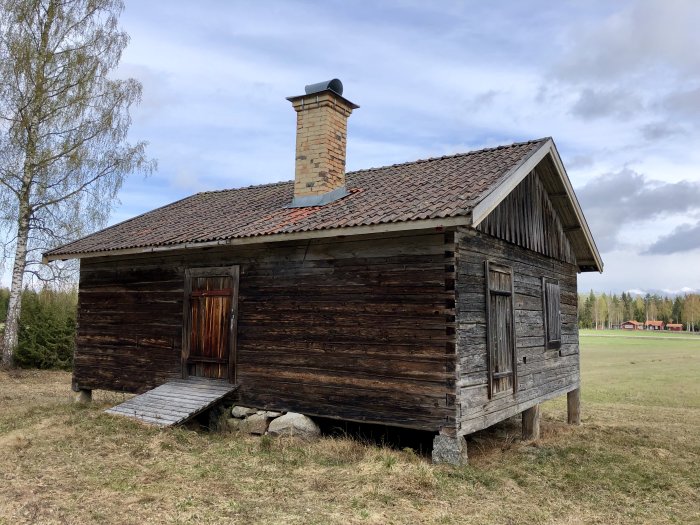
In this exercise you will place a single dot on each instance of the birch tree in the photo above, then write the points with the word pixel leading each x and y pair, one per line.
pixel 63 130
pixel 602 309
pixel 691 311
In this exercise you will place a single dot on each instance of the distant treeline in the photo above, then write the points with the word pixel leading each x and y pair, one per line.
pixel 610 310
pixel 46 327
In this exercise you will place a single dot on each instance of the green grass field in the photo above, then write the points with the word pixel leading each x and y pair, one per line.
pixel 641 368
pixel 635 459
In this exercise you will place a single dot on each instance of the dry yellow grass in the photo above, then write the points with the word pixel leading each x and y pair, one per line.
pixel 61 463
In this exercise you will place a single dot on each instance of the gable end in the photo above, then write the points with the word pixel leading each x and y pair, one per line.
pixel 547 164
pixel 526 217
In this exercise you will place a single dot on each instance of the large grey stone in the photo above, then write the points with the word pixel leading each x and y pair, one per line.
pixel 450 450
pixel 240 412
pixel 255 424
pixel 293 424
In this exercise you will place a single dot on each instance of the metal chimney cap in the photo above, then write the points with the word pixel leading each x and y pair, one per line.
pixel 334 85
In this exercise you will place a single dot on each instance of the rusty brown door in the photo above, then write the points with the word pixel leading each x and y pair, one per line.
pixel 210 319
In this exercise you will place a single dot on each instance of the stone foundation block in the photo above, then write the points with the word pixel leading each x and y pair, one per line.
pixel 450 450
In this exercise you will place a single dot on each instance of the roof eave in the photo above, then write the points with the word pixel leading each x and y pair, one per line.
pixel 420 224
pixel 577 207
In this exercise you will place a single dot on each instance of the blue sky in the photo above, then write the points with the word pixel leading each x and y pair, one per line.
pixel 617 84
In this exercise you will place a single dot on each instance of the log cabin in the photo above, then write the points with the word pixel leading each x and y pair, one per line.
pixel 654 325
pixel 632 325
pixel 438 294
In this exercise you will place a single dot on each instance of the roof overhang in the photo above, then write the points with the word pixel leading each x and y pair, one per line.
pixel 423 224
pixel 592 260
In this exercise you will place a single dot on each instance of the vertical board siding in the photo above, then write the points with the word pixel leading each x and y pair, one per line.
pixel 361 329
pixel 526 217
pixel 541 373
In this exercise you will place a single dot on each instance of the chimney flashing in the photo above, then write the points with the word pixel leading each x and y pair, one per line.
pixel 319 200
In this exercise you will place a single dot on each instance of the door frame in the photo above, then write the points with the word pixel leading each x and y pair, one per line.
pixel 218 271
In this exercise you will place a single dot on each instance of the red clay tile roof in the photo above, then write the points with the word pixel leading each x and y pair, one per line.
pixel 441 187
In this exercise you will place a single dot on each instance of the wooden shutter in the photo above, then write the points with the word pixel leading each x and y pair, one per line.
pixel 500 324
pixel 551 312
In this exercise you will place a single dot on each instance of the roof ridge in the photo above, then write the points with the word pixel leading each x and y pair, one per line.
pixel 454 155
pixel 364 170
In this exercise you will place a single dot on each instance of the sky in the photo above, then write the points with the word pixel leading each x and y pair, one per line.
pixel 616 84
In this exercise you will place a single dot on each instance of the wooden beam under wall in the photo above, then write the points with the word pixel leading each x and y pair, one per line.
pixel 531 423
pixel 573 405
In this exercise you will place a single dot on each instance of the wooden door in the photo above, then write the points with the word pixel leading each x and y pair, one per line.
pixel 209 334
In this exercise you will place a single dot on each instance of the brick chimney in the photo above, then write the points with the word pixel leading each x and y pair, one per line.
pixel 322 118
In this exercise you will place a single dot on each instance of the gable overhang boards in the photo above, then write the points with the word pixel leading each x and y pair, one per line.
pixel 592 260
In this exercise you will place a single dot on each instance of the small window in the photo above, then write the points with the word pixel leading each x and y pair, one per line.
pixel 552 313
pixel 500 328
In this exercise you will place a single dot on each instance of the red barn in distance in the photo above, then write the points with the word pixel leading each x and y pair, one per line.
pixel 631 325
pixel 654 325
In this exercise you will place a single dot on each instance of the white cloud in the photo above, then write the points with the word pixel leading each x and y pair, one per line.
pixel 643 39
pixel 626 270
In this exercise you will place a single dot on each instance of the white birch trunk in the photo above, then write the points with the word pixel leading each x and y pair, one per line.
pixel 15 303
pixel 14 306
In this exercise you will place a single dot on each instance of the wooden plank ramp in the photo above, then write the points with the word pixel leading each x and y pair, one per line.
pixel 174 402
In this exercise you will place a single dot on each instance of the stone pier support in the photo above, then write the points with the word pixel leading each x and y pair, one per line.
pixel 451 450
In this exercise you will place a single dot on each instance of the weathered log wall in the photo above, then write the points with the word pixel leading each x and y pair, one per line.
pixel 542 373
pixel 359 329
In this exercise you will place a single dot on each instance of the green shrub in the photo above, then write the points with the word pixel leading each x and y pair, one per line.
pixel 47 329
